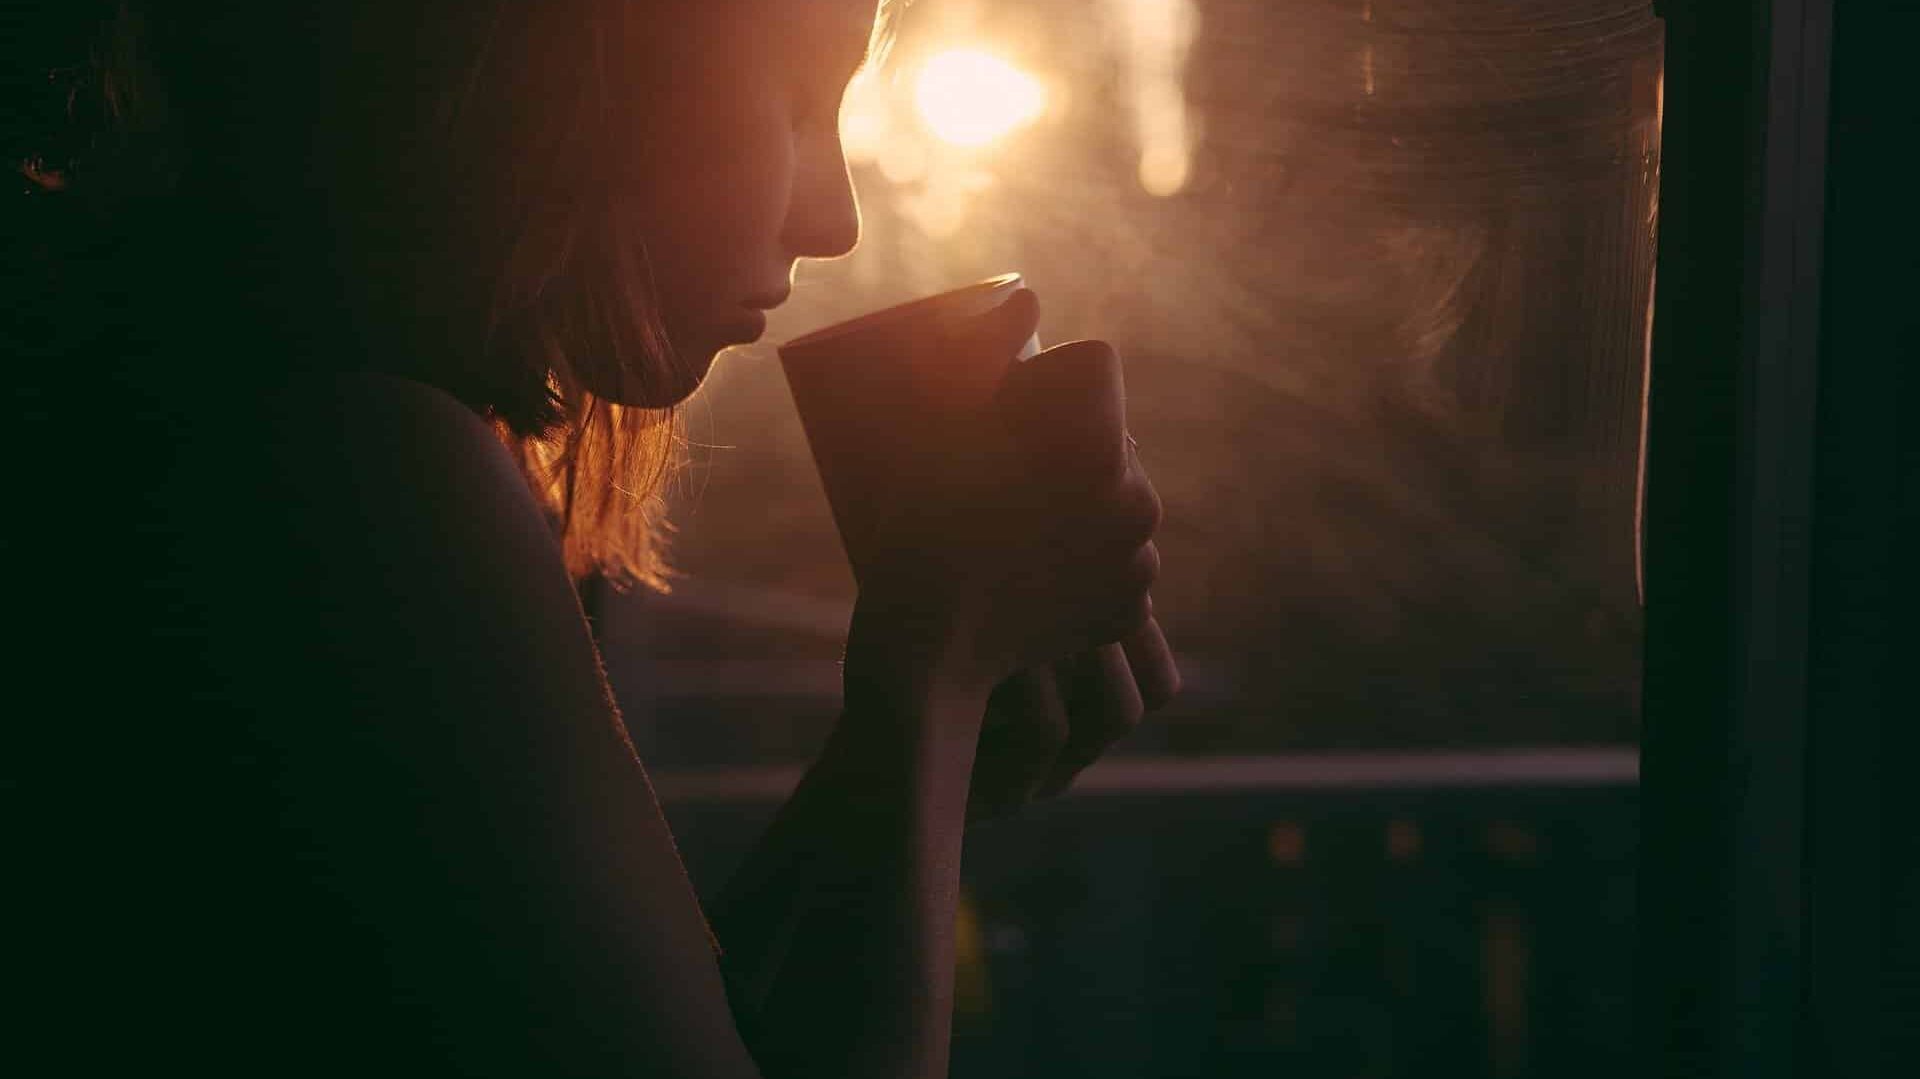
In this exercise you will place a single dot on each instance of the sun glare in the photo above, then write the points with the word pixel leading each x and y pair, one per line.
pixel 970 98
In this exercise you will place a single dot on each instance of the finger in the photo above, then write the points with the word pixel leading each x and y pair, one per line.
pixel 1103 706
pixel 1136 512
pixel 1129 604
pixel 1120 618
pixel 1025 727
pixel 1101 699
pixel 1067 410
pixel 1110 532
pixel 1155 673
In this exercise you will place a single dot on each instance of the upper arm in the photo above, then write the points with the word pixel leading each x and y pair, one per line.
pixel 453 775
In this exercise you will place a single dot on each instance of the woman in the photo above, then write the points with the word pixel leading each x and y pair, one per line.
pixel 379 299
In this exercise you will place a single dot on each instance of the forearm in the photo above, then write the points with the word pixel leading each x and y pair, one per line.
pixel 838 930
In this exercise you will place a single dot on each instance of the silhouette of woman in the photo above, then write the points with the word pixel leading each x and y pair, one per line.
pixel 344 334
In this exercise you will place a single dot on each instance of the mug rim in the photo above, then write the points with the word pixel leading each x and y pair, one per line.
pixel 996 283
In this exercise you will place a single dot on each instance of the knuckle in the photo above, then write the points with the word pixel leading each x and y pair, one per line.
pixel 1132 513
pixel 1101 458
pixel 1143 569
pixel 1112 466
pixel 1146 510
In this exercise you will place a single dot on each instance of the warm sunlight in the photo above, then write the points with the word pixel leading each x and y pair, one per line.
pixel 1159 34
pixel 970 98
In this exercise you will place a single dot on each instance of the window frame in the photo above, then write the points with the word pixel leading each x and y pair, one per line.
pixel 1775 519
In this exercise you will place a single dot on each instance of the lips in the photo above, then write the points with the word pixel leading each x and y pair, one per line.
pixel 767 301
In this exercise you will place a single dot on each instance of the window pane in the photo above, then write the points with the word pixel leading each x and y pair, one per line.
pixel 1380 271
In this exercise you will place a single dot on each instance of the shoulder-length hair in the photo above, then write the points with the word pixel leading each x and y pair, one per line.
pixel 424 188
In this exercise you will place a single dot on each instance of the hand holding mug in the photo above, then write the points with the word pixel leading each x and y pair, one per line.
pixel 1066 410
pixel 1005 494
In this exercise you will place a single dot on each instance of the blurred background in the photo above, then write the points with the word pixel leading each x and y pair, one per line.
pixel 1381 275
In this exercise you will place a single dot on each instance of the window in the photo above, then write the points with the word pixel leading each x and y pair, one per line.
pixel 1381 272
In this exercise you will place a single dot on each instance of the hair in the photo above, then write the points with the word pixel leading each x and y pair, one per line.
pixel 450 168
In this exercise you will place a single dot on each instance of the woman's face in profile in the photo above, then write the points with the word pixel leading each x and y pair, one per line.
pixel 737 166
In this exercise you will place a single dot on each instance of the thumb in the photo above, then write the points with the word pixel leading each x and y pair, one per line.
pixel 1068 406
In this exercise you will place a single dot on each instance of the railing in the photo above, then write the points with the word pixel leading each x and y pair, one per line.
pixel 1549 768
pixel 1316 915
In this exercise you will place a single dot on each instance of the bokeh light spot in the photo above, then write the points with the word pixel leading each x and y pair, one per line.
pixel 866 119
pixel 1164 169
pixel 970 98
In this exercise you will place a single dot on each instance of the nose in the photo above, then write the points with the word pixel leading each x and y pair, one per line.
pixel 823 215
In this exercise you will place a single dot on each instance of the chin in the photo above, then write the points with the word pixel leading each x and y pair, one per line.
pixel 691 372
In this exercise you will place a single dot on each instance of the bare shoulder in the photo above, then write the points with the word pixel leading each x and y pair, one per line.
pixel 457 758
pixel 414 558
pixel 391 438
pixel 384 488
pixel 400 413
